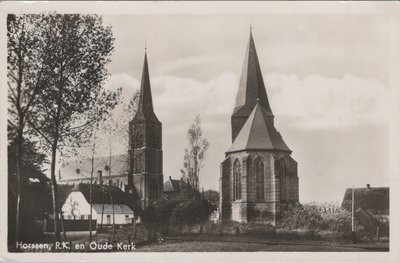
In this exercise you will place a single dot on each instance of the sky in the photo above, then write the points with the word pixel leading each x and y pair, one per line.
pixel 326 78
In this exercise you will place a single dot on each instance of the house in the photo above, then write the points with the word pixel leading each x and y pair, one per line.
pixel 371 208
pixel 258 175
pixel 105 201
pixel 179 189
pixel 172 188
pixel 375 200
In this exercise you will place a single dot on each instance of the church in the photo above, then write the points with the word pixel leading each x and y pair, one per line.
pixel 258 176
pixel 140 171
pixel 145 147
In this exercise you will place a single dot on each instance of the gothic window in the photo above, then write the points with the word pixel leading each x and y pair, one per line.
pixel 140 141
pixel 282 174
pixel 259 165
pixel 237 179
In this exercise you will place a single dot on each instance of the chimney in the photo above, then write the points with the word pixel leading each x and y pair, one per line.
pixel 100 176
pixel 368 186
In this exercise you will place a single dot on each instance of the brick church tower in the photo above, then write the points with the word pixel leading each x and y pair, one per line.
pixel 145 147
pixel 258 176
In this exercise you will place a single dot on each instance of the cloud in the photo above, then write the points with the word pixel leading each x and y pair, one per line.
pixel 122 80
pixel 178 100
pixel 317 102
pixel 313 102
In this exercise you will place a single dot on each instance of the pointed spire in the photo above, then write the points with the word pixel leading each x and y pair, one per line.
pixel 251 85
pixel 145 100
pixel 145 108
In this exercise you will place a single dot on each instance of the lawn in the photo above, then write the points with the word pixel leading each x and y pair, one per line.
pixel 251 245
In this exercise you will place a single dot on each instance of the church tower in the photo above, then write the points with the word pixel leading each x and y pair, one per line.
pixel 258 176
pixel 145 147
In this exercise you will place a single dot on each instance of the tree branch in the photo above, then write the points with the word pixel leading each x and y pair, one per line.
pixel 39 131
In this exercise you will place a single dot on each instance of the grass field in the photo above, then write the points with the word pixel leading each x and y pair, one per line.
pixel 185 245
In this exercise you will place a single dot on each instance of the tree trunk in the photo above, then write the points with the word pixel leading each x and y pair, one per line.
pixel 61 218
pixel 19 164
pixel 54 191
pixel 90 190
pixel 102 208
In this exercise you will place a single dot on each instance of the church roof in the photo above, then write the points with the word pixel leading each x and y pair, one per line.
pixel 259 133
pixel 145 109
pixel 251 85
pixel 75 169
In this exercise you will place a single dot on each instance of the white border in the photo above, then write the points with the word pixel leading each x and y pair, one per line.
pixel 391 9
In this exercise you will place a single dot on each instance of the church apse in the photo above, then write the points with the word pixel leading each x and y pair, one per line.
pixel 258 176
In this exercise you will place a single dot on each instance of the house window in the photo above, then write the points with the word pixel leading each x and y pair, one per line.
pixel 108 219
pixel 259 179
pixel 237 180
pixel 100 175
pixel 127 219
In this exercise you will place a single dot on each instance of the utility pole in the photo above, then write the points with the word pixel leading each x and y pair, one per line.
pixel 352 208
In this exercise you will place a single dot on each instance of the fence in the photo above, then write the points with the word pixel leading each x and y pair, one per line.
pixel 70 225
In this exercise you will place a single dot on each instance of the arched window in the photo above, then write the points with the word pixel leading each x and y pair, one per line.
pixel 140 141
pixel 237 179
pixel 282 175
pixel 259 165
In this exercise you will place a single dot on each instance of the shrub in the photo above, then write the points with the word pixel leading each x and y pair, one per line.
pixel 307 217
pixel 191 212
pixel 313 216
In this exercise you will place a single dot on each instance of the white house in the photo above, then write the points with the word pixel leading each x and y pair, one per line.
pixel 77 205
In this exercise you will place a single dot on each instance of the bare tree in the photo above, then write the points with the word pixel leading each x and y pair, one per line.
pixel 116 127
pixel 194 154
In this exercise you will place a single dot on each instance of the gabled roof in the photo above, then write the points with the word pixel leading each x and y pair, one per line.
pixel 101 193
pixel 259 133
pixel 251 85
pixel 375 200
pixel 145 109
pixel 172 185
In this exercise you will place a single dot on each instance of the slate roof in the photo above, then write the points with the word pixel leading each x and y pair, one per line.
pixel 119 197
pixel 251 85
pixel 119 166
pixel 259 133
pixel 145 109
pixel 375 200
pixel 108 209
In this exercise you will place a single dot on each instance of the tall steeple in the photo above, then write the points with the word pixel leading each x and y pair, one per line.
pixel 145 108
pixel 145 146
pixel 251 89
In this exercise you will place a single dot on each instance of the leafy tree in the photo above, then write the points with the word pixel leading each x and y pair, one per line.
pixel 26 51
pixel 73 98
pixel 194 154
